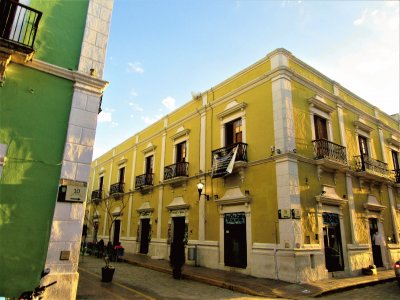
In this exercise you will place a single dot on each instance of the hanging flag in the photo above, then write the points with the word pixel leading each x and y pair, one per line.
pixel 232 162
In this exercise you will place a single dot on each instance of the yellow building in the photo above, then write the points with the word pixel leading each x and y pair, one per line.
pixel 297 176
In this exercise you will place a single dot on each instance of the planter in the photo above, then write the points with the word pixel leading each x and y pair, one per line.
pixel 107 274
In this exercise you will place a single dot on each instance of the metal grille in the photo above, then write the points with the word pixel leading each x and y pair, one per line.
pixel 326 149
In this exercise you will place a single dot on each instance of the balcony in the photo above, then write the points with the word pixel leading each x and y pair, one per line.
pixel 144 180
pixel 117 188
pixel 176 172
pixel 330 155
pixel 223 156
pixel 18 26
pixel 97 196
pixel 396 176
pixel 371 168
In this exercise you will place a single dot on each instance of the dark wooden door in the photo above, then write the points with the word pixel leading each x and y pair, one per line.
pixel 376 241
pixel 235 252
pixel 332 242
pixel 144 236
pixel 117 227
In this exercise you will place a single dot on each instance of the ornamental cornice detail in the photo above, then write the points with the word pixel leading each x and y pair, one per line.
pixel 317 102
pixel 231 108
pixel 181 131
pixel 83 81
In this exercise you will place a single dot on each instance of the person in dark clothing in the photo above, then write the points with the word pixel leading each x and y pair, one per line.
pixel 177 258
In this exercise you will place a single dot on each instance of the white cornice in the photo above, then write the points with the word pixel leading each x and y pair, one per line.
pixel 363 126
pixel 316 102
pixel 235 108
pixel 82 81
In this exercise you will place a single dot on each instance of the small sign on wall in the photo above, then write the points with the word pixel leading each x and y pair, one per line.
pixel 284 214
pixel 64 255
pixel 72 191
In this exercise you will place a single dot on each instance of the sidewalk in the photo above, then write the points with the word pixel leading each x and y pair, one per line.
pixel 260 286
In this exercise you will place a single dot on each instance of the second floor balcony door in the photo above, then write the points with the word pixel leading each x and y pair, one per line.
pixel 233 132
pixel 180 159
pixel 101 182
pixel 320 127
pixel 121 178
pixel 395 157
pixel 149 164
pixel 362 141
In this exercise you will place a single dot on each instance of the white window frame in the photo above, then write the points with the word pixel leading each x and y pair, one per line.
pixel 320 108
pixel 232 111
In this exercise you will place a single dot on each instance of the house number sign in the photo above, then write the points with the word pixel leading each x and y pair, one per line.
pixel 75 193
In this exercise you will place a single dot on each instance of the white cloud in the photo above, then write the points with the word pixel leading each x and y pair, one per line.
pixel 134 93
pixel 169 103
pixel 104 116
pixel 135 67
pixel 135 106
pixel 368 64
pixel 151 120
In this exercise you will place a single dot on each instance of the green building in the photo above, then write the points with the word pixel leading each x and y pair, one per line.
pixel 52 57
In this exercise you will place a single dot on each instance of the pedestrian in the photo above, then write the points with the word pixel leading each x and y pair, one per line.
pixel 177 258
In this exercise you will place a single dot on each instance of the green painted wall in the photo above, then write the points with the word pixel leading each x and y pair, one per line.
pixel 34 112
pixel 60 47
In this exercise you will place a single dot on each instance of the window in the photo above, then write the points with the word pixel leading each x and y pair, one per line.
pixel 121 175
pixel 233 132
pixel 320 127
pixel 362 141
pixel 395 157
pixel 101 182
pixel 149 164
pixel 180 152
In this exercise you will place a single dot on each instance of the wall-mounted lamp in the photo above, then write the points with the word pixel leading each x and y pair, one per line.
pixel 200 187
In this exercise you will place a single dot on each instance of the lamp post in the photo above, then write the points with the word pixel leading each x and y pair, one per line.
pixel 200 187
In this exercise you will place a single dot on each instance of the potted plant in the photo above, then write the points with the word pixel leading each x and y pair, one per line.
pixel 107 272
pixel 112 206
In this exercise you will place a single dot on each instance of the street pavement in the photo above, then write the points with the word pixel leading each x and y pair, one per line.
pixel 387 291
pixel 134 282
pixel 141 283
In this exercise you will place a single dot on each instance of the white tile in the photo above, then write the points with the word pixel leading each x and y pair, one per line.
pixel 93 103
pixel 105 14
pixel 83 172
pixel 71 152
pixel 66 231
pixel 85 154
pixel 90 36
pixel 83 118
pixel 62 211
pixel 94 9
pixel 74 134
pixel 79 100
pixel 77 212
pixel 68 170
pixel 101 40
pixel 88 136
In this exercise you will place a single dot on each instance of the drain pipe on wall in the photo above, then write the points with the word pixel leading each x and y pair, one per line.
pixel 275 252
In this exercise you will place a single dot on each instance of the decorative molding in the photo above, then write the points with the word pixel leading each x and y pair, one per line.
pixel 232 196
pixel 180 132
pixel 82 81
pixel 149 148
pixel 392 141
pixel 122 160
pixel 231 108
pixel 178 203
pixel 145 207
pixel 329 196
pixel 317 102
pixel 361 125
pixel 373 204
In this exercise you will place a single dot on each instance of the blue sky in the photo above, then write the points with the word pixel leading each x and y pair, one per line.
pixel 161 51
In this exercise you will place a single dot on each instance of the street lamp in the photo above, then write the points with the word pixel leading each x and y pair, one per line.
pixel 200 187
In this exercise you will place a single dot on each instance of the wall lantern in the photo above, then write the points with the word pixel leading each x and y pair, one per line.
pixel 200 187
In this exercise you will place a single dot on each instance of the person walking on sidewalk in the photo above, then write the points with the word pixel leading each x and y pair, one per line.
pixel 177 258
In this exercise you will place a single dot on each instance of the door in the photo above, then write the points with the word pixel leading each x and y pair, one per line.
pixel 144 235
pixel 332 242
pixel 235 252
pixel 376 240
pixel 117 227
pixel 179 230
pixel 320 127
pixel 7 15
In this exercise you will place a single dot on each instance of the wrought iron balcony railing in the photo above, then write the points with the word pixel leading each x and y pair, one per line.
pixel 97 195
pixel 117 188
pixel 366 163
pixel 396 175
pixel 222 157
pixel 18 26
pixel 144 180
pixel 327 149
pixel 180 169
